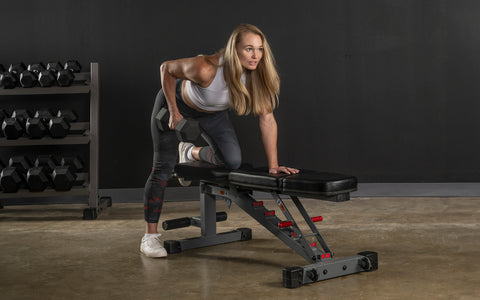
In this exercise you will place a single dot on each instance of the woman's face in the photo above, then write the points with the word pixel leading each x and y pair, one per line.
pixel 250 50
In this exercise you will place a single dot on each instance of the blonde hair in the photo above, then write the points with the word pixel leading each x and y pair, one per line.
pixel 262 85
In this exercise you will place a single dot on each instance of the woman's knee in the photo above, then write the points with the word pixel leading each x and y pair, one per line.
pixel 232 162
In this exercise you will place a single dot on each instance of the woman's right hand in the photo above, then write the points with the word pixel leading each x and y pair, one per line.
pixel 174 119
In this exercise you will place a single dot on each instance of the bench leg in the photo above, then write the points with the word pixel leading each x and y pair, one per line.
pixel 208 225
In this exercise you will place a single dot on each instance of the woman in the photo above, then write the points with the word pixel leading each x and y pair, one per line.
pixel 242 77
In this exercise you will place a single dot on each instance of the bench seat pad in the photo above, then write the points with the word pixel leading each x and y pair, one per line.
pixel 307 183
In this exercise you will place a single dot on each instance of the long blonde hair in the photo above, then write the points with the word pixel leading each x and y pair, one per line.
pixel 262 85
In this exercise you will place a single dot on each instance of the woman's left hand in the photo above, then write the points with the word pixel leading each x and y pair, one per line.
pixel 283 169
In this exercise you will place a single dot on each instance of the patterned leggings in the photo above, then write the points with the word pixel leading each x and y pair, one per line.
pixel 217 125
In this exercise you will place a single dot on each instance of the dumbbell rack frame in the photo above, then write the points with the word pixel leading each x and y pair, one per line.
pixel 89 136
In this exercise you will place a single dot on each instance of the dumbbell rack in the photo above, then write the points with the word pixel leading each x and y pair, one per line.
pixel 89 190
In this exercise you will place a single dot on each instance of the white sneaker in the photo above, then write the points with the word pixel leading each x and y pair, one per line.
pixel 183 149
pixel 151 246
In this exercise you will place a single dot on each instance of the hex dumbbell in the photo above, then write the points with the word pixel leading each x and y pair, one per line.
pixel 14 177
pixel 7 80
pixel 14 127
pixel 36 127
pixel 39 176
pixel 65 175
pixel 48 77
pixel 59 126
pixel 10 79
pixel 66 76
pixel 187 130
pixel 29 77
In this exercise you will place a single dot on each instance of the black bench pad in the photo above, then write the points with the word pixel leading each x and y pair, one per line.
pixel 307 183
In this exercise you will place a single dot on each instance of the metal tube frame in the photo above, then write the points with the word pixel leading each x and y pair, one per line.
pixel 322 265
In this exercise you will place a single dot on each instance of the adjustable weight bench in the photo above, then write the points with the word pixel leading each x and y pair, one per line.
pixel 237 186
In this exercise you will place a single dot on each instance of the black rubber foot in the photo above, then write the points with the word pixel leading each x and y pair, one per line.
pixel 246 234
pixel 292 277
pixel 172 246
pixel 370 261
pixel 90 214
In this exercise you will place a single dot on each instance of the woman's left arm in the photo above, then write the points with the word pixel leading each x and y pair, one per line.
pixel 268 128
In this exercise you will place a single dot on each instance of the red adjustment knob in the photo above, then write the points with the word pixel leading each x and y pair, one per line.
pixel 285 224
pixel 317 219
pixel 257 203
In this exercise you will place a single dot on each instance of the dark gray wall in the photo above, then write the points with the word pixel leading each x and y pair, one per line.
pixel 385 90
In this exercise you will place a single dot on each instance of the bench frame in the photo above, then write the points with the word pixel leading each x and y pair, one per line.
pixel 321 265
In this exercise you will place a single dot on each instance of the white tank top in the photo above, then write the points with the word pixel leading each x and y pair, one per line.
pixel 214 97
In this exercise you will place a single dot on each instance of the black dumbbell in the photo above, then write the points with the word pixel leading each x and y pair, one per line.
pixel 39 176
pixel 29 77
pixel 63 178
pixel 46 78
pixel 67 114
pixel 66 76
pixel 10 180
pixel 73 162
pixel 13 177
pixel 47 162
pixel 14 126
pixel 36 127
pixel 73 65
pixel 17 68
pixel 59 126
pixel 44 114
pixel 54 66
pixel 36 68
pixel 187 130
pixel 8 80
pixel 11 128
pixel 37 179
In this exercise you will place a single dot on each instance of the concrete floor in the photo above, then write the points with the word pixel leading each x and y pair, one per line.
pixel 428 249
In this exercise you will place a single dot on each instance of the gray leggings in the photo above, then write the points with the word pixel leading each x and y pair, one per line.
pixel 217 125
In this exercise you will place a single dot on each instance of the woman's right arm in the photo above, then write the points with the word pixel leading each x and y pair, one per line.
pixel 195 69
